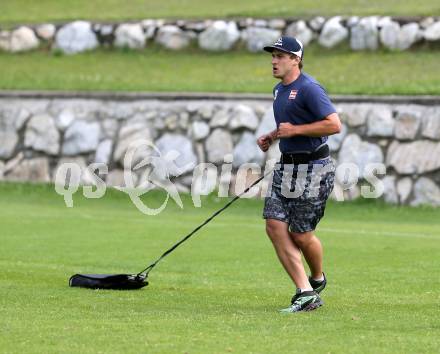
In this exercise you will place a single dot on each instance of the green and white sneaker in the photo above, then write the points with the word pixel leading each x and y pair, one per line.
pixel 318 286
pixel 303 301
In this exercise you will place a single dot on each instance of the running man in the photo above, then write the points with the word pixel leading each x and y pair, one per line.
pixel 304 177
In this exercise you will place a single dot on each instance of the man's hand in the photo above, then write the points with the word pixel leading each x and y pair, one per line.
pixel 264 142
pixel 286 130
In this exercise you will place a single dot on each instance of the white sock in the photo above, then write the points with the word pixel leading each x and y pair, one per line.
pixel 306 289
pixel 320 278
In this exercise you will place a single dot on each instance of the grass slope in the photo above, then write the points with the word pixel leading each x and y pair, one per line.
pixel 340 70
pixel 14 11
pixel 220 292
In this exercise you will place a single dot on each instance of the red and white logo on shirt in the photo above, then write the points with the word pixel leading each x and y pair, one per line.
pixel 292 94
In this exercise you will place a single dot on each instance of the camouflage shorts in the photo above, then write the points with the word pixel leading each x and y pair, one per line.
pixel 299 193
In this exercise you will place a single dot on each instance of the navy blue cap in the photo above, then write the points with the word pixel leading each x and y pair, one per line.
pixel 287 44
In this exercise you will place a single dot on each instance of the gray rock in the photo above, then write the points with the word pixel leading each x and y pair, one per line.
pixel 431 124
pixel 192 36
pixel 21 116
pixel 14 162
pixel 394 37
pixel 109 128
pixel 245 22
pixel 426 192
pixel 219 36
pixel 172 37
pixel 407 124
pixel 259 22
pixel 334 141
pixel 193 106
pixel 258 37
pixel 199 130
pixel 380 121
pixel 159 123
pixel 87 178
pixel 46 31
pixel 130 35
pixel 206 111
pixel 220 119
pixel 333 33
pixel 300 31
pixel 104 152
pixel 365 34
pixel 9 140
pixel 106 34
pixel 23 39
pixel 5 40
pixel 277 23
pixel 76 37
pixel 218 144
pixel 361 153
pixel 64 119
pixel 106 30
pixel 171 121
pixel 149 26
pixel 42 134
pixel 261 109
pixel 243 116
pixel 247 151
pixel 409 34
pixel 390 191
pixel 384 21
pixel 11 105
pixel 200 152
pixel 404 188
pixel 432 32
pixel 81 137
pixel 122 111
pixel 317 23
pixel 267 123
pixel 32 170
pixel 115 178
pixel 186 159
pixel 130 133
pixel 185 180
pixel 426 22
pixel 82 109
pixel 352 21
pixel 184 120
pixel 355 115
pixel 195 26
pixel 410 158
pixel 12 119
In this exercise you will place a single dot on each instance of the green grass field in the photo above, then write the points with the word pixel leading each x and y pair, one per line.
pixel 14 11
pixel 220 292
pixel 340 70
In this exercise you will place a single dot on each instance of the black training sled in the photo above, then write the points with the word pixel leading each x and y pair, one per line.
pixel 108 281
pixel 138 281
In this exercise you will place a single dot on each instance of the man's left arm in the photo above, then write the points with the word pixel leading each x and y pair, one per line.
pixel 331 124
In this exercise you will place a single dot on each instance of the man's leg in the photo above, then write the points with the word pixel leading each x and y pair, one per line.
pixel 287 252
pixel 311 248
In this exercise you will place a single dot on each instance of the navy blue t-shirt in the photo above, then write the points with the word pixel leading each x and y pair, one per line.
pixel 301 102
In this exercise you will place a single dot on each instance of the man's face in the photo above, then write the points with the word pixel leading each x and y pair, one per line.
pixel 282 63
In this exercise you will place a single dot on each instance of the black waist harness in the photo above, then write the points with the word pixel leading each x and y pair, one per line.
pixel 305 157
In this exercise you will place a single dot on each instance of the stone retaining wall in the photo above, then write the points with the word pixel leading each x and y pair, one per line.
pixel 39 132
pixel 367 33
